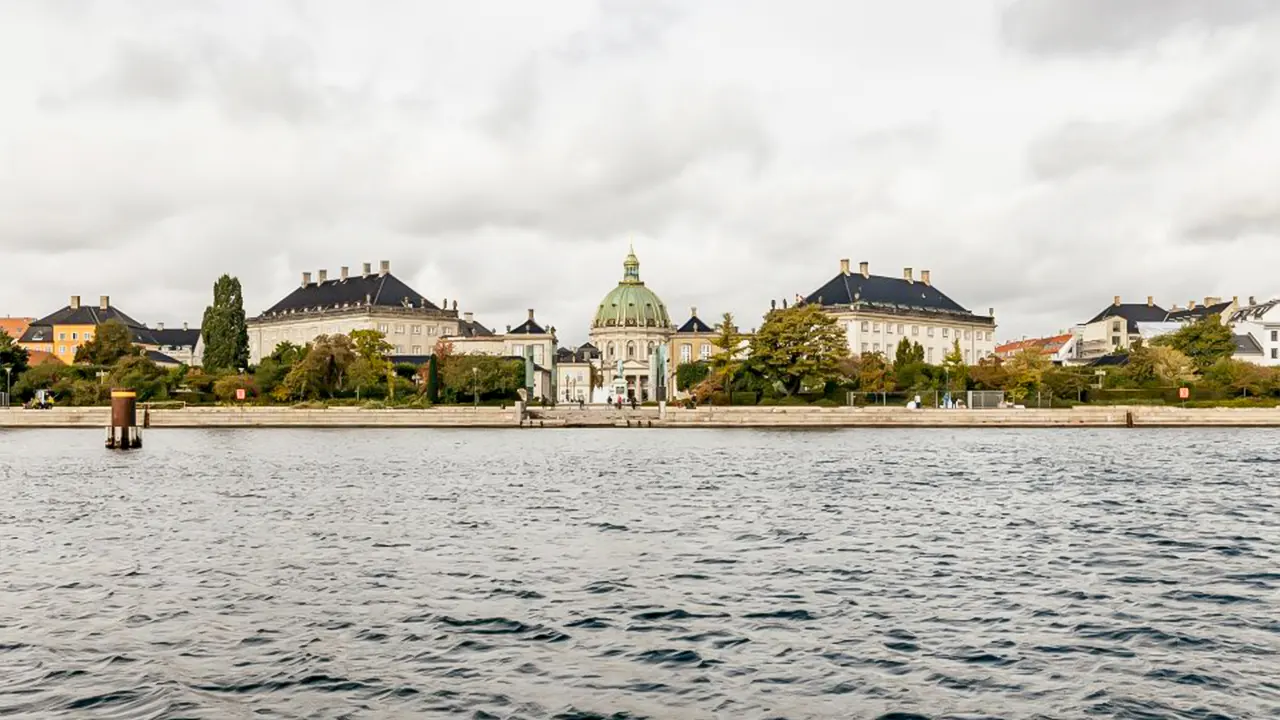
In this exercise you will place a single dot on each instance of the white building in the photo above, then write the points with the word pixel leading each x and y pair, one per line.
pixel 574 372
pixel 185 346
pixel 410 322
pixel 630 324
pixel 1119 325
pixel 1257 331
pixel 877 312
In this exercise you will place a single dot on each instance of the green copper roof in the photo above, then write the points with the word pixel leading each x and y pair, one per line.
pixel 631 304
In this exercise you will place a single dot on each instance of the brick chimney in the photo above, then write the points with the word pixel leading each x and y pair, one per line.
pixel 75 302
pixel 104 302
pixel 1151 301
pixel 345 272
pixel 924 278
pixel 323 275
pixel 368 270
pixel 1191 304
pixel 906 275
pixel 306 279
pixel 384 267
pixel 844 266
pixel 865 268
pixel 1116 301
pixel 530 314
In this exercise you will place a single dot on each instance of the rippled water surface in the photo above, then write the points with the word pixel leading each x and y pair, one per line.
pixel 641 574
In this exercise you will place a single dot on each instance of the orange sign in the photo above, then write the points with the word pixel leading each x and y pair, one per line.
pixel 1184 393
pixel 240 393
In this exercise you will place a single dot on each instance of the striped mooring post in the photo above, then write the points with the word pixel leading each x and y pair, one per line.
pixel 123 432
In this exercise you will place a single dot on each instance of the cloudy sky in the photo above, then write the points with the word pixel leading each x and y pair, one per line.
pixel 1038 156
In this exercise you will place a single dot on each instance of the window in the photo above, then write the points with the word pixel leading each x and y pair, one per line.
pixel 417 349
pixel 915 329
pixel 686 353
pixel 432 330
pixel 416 329
pixel 875 348
pixel 517 350
pixel 929 355
pixel 89 336
pixel 62 336
pixel 537 354
pixel 704 352
pixel 399 329
pixel 650 349
pixel 610 349
pixel 1275 353
pixel 1275 335
pixel 865 348
pixel 581 378
pixel 399 349
pixel 1115 341
pixel 888 328
pixel 382 328
pixel 631 351
pixel 966 357
pixel 900 332
pixel 865 324
pixel 928 331
pixel 63 349
pixel 875 327
pixel 73 336
pixel 946 332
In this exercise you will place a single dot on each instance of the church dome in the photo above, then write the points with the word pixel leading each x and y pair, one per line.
pixel 631 304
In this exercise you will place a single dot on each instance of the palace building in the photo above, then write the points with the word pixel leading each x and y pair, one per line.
pixel 631 329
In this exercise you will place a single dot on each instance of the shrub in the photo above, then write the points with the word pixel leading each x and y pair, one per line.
pixel 792 400
pixel 720 398
pixel 744 398
pixel 769 401
pixel 827 403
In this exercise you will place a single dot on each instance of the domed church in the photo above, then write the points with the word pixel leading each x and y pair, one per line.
pixel 631 329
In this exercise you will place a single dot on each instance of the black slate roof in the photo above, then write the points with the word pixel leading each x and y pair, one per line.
pixel 1199 313
pixel 528 327
pixel 42 329
pixel 585 353
pixel 176 337
pixel 1246 344
pixel 160 358
pixel 1253 312
pixel 471 328
pixel 1113 360
pixel 695 325
pixel 381 290
pixel 1133 312
pixel 880 290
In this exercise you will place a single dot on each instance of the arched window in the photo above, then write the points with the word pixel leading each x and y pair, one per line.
pixel 651 348
pixel 631 351
pixel 610 349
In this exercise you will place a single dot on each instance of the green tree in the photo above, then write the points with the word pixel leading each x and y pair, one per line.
pixel 725 364
pixel 111 341
pixel 956 368
pixel 139 374
pixel 1169 365
pixel 1239 377
pixel 432 383
pixel 287 353
pixel 224 389
pixel 321 371
pixel 875 374
pixel 689 374
pixel 371 365
pixel 907 353
pixel 14 357
pixel 799 347
pixel 226 335
pixel 1206 342
pixel 1025 371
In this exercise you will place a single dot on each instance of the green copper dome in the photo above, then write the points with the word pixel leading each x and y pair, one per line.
pixel 631 304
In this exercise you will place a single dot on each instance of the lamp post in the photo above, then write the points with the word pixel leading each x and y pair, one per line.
pixel 475 387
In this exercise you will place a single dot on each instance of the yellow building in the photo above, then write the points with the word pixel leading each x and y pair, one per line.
pixel 65 331
pixel 694 341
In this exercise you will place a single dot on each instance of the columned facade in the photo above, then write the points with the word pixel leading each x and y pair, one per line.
pixel 630 325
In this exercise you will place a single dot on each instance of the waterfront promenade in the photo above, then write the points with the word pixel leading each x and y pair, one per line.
pixel 653 417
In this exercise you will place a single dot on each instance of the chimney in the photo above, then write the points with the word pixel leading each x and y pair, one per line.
pixel 104 302
pixel 906 275
pixel 444 304
pixel 468 316
pixel 693 311
pixel 75 302
pixel 306 279
pixel 1252 301
pixel 924 278
pixel 384 267
pixel 368 270
pixel 1235 300
pixel 345 272
pixel 184 326
pixel 530 314
pixel 1191 304
pixel 160 327
pixel 844 266
pixel 324 275
pixel 1151 301
pixel 864 268
pixel 1116 301
pixel 991 312
pixel 1209 300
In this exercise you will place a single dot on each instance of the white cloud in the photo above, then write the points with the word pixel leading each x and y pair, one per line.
pixel 1038 157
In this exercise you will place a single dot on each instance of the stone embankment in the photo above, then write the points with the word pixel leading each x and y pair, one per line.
pixel 652 417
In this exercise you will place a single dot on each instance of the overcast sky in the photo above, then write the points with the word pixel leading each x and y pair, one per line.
pixel 1038 156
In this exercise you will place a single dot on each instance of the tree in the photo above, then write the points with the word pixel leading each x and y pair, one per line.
pixel 689 374
pixel 1205 341
pixel 989 374
pixel 226 335
pixel 1026 371
pixel 371 364
pixel 112 341
pixel 799 347
pixel 431 379
pixel 907 353
pixel 139 374
pixel 287 353
pixel 725 364
pixel 875 374
pixel 1169 365
pixel 12 356
pixel 1239 377
pixel 322 371
pixel 956 367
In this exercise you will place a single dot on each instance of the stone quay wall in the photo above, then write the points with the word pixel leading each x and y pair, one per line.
pixel 705 417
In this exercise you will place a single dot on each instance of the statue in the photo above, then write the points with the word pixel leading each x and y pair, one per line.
pixel 619 373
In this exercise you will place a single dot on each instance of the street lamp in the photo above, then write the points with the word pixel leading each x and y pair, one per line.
pixel 475 387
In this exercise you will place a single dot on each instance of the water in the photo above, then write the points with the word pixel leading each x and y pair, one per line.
pixel 630 574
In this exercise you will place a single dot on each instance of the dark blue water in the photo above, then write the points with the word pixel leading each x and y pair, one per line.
pixel 641 574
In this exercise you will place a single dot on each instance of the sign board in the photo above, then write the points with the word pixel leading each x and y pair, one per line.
pixel 1184 393
pixel 240 394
